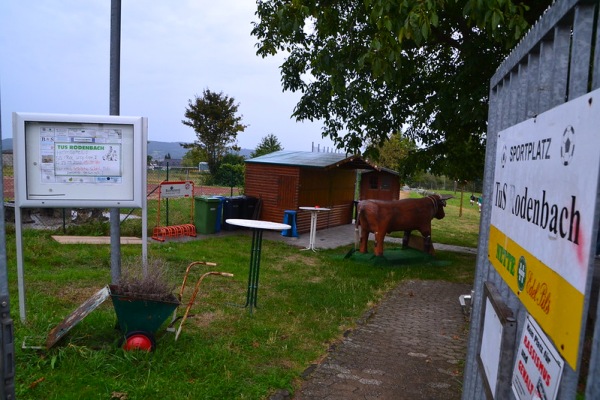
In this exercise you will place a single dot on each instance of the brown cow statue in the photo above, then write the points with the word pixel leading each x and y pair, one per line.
pixel 382 217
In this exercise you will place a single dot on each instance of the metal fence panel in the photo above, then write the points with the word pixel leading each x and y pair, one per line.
pixel 593 378
pixel 583 23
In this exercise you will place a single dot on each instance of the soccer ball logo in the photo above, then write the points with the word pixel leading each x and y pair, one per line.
pixel 568 145
pixel 503 159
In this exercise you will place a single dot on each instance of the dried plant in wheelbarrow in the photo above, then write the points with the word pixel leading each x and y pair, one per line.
pixel 150 283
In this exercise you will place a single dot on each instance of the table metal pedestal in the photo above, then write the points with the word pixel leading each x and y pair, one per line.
pixel 314 211
pixel 255 252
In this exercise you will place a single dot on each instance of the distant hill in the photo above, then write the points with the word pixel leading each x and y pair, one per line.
pixel 7 144
pixel 157 150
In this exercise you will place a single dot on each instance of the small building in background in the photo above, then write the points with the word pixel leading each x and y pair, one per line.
pixel 287 180
pixel 171 162
pixel 379 184
pixel 203 166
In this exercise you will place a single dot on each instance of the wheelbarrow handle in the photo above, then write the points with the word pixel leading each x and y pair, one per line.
pixel 191 302
pixel 187 271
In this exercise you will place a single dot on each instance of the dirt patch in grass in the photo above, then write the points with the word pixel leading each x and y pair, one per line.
pixel 299 258
pixel 65 294
pixel 78 295
pixel 315 279
pixel 204 319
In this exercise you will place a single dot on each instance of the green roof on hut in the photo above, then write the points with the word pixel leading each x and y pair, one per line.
pixel 313 160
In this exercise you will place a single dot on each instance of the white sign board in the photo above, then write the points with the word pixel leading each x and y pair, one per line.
pixel 538 367
pixel 79 160
pixel 170 190
pixel 490 348
pixel 543 201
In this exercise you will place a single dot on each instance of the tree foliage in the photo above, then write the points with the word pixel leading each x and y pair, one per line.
pixel 193 157
pixel 368 68
pixel 214 120
pixel 268 144
pixel 230 175
pixel 230 171
pixel 393 152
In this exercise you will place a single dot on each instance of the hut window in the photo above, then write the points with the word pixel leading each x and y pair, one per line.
pixel 385 183
pixel 373 182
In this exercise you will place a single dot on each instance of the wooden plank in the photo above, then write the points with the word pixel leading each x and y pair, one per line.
pixel 94 239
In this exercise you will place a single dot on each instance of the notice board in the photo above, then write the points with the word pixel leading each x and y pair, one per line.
pixel 79 160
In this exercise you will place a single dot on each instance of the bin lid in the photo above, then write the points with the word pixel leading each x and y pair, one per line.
pixel 207 199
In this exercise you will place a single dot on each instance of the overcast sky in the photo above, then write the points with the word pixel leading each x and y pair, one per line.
pixel 54 58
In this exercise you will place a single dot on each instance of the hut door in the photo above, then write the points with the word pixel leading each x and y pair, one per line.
pixel 286 197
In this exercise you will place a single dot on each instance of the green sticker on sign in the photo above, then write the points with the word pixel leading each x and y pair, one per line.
pixel 521 273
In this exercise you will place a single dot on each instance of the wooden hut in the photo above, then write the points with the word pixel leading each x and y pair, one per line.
pixel 287 180
pixel 379 184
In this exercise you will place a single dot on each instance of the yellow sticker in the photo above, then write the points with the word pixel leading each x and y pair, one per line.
pixel 552 301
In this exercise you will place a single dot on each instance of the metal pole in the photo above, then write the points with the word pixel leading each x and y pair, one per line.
pixel 167 201
pixel 7 345
pixel 115 80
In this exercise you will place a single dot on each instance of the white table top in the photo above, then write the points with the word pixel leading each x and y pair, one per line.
pixel 258 224
pixel 314 208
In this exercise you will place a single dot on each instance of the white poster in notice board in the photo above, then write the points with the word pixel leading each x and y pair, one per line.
pixel 79 160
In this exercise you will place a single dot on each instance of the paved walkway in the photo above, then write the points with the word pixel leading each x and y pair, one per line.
pixel 411 346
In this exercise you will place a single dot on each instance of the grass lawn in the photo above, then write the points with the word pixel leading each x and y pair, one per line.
pixel 460 226
pixel 306 302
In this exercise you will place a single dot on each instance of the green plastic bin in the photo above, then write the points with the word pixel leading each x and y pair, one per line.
pixel 206 212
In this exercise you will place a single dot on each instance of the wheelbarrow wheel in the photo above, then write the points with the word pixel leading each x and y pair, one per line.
pixel 139 340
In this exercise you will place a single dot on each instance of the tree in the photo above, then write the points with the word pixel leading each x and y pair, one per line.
pixel 193 157
pixel 368 68
pixel 231 175
pixel 393 152
pixel 213 118
pixel 268 144
pixel 230 171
